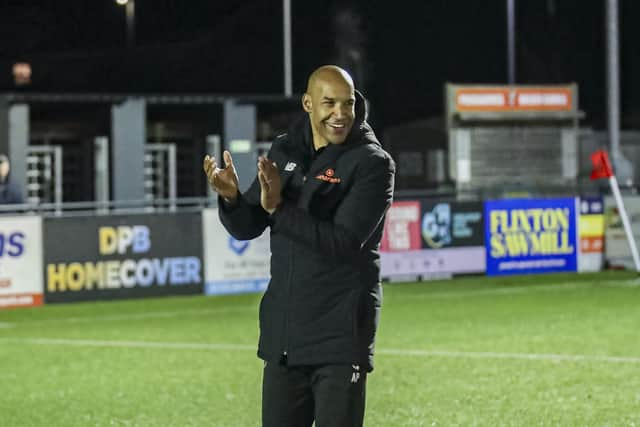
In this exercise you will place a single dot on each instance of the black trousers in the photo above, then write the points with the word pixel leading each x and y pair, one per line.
pixel 296 396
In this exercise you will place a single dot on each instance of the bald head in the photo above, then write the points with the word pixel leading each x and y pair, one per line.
pixel 330 101
pixel 328 74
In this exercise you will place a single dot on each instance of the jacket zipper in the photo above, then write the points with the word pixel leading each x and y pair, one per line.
pixel 285 349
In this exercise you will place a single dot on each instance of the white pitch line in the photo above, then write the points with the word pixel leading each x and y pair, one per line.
pixel 521 356
pixel 514 290
pixel 493 291
pixel 134 316
pixel 455 294
pixel 632 283
pixel 130 344
pixel 387 351
pixel 502 291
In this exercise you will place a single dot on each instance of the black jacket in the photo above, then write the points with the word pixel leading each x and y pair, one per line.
pixel 323 301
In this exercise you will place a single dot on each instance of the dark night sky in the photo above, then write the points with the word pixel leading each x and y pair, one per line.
pixel 407 49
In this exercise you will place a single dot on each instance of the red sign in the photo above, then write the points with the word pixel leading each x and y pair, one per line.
pixel 513 99
pixel 402 228
pixel 591 244
pixel 20 300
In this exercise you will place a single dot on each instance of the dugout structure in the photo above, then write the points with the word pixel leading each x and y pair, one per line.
pixel 513 139
pixel 93 149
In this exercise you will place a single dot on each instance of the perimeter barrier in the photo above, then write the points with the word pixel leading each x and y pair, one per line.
pixel 104 251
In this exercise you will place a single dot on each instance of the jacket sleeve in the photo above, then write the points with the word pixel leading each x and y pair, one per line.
pixel 357 217
pixel 246 219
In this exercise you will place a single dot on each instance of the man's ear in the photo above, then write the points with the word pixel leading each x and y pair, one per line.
pixel 306 102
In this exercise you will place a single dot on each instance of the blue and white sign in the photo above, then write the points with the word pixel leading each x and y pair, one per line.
pixel 233 266
pixel 526 236
pixel 21 282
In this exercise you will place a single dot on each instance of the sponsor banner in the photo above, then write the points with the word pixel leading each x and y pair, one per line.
pixel 122 256
pixel 591 245
pixel 617 251
pixel 591 206
pixel 20 261
pixel 431 262
pixel 233 266
pixel 504 98
pixel 591 226
pixel 531 236
pixel 432 239
pixel 402 227
pixel 591 234
pixel 451 224
pixel 20 300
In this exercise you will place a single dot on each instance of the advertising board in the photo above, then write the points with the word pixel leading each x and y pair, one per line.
pixel 428 239
pixel 526 236
pixel 591 234
pixel 233 266
pixel 20 261
pixel 122 256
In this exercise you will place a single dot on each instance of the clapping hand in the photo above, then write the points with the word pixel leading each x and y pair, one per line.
pixel 269 178
pixel 223 181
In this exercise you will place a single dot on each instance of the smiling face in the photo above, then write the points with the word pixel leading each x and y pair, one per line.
pixel 330 101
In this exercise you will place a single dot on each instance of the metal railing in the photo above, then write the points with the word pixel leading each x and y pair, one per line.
pixel 109 207
pixel 44 174
pixel 160 173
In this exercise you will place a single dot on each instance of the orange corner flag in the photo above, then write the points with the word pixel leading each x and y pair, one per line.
pixel 601 165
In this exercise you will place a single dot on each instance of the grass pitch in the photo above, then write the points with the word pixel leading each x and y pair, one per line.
pixel 557 350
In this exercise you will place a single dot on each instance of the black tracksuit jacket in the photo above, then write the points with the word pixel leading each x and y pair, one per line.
pixel 323 300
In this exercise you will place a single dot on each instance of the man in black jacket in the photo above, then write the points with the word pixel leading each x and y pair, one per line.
pixel 324 189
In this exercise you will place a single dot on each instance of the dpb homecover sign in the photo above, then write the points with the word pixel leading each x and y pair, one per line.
pixel 122 256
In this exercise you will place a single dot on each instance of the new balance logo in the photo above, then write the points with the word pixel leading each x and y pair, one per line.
pixel 290 166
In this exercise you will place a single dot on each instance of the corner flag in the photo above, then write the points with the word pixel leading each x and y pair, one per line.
pixel 602 169
pixel 601 165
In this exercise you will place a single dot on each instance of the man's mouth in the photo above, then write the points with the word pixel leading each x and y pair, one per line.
pixel 336 125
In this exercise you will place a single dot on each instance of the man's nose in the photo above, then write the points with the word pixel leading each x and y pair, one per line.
pixel 339 111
